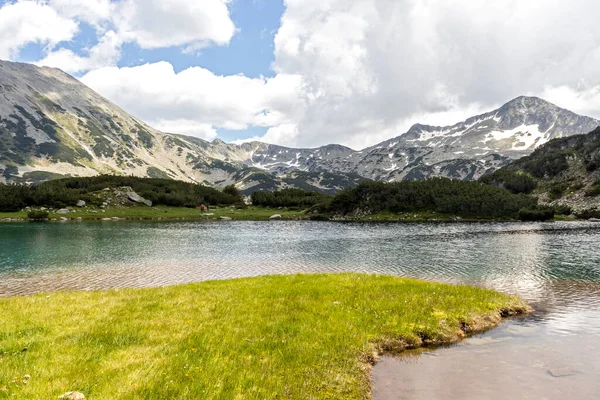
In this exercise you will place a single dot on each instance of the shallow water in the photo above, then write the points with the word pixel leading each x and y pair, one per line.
pixel 552 354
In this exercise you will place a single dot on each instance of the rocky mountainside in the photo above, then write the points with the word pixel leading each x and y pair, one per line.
pixel 566 172
pixel 51 125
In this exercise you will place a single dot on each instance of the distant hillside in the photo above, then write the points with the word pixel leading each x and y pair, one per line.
pixel 563 172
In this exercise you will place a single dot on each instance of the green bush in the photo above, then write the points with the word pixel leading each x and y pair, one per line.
pixel 66 192
pixel 441 195
pixel 233 191
pixel 563 210
pixel 511 180
pixel 589 213
pixel 288 198
pixel 536 214
pixel 557 190
pixel 37 215
pixel 594 190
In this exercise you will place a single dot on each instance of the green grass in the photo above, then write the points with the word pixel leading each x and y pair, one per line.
pixel 300 336
pixel 164 212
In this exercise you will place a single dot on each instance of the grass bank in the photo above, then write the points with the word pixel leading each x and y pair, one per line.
pixel 165 212
pixel 300 336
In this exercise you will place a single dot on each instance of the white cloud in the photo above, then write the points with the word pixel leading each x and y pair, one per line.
pixel 187 127
pixel 149 23
pixel 166 23
pixel 350 72
pixel 31 22
pixel 584 98
pixel 284 135
pixel 174 102
pixel 370 68
pixel 106 52
pixel 95 12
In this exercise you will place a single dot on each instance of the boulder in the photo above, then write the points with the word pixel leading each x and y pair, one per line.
pixel 81 203
pixel 136 198
pixel 594 219
pixel 72 396
pixel 225 218
pixel 63 219
pixel 275 217
pixel 63 211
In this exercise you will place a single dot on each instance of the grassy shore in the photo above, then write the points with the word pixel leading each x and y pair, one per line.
pixel 300 336
pixel 164 212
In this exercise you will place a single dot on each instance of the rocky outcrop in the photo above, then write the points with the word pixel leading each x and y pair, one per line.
pixel 133 196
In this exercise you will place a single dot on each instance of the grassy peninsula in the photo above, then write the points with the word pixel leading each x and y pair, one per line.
pixel 299 336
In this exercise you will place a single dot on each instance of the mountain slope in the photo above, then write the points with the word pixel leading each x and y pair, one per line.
pixel 52 125
pixel 566 172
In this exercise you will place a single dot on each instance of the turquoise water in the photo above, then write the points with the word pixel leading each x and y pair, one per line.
pixel 555 266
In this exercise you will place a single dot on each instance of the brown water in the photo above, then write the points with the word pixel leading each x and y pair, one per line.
pixel 551 354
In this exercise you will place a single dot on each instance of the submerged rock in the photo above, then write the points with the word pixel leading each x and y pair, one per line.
pixel 562 372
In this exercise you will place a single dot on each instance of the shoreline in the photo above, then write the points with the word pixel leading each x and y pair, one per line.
pixel 163 213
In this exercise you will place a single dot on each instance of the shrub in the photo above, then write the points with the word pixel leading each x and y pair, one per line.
pixel 441 195
pixel 513 181
pixel 233 191
pixel 563 210
pixel 288 198
pixel 536 214
pixel 66 192
pixel 557 190
pixel 589 213
pixel 594 190
pixel 37 215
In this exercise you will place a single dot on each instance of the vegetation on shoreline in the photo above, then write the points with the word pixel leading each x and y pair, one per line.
pixel 288 198
pixel 300 336
pixel 67 192
pixel 437 195
pixel 168 213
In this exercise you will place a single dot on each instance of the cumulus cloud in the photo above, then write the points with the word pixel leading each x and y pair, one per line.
pixel 150 24
pixel 374 66
pixel 166 23
pixel 32 22
pixel 106 52
pixel 350 72
pixel 174 102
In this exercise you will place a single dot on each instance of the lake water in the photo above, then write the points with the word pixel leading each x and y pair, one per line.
pixel 552 354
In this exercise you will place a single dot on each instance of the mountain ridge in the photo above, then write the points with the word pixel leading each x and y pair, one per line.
pixel 52 125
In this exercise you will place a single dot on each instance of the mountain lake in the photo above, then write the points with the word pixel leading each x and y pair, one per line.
pixel 554 353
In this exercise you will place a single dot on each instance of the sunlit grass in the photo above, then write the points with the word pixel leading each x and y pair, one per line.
pixel 300 336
